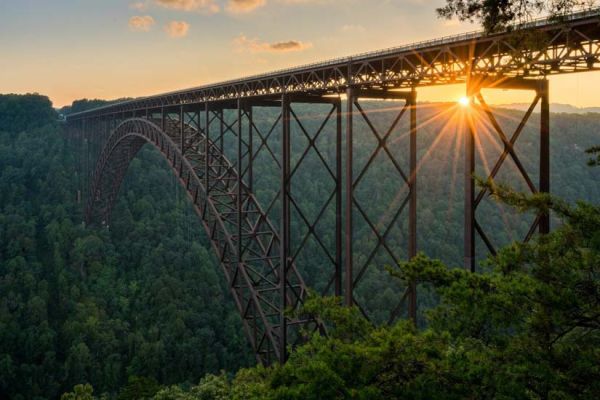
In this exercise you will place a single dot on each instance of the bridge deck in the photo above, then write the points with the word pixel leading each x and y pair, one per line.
pixel 540 48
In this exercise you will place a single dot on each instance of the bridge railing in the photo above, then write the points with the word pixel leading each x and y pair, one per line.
pixel 341 61
pixel 449 39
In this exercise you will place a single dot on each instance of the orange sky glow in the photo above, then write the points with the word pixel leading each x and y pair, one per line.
pixel 69 49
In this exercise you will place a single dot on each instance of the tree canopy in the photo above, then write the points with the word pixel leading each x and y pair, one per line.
pixel 142 309
pixel 495 15
pixel 528 329
pixel 24 112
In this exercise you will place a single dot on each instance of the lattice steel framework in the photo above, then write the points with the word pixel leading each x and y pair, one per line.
pixel 472 201
pixel 212 140
pixel 539 49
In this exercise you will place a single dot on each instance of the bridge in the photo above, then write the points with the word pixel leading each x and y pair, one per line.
pixel 211 138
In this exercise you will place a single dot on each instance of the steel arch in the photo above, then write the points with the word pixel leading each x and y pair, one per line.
pixel 254 281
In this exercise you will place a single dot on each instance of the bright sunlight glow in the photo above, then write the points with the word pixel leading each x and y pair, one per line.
pixel 464 101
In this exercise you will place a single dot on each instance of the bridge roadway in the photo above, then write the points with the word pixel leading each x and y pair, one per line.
pixel 191 128
pixel 566 46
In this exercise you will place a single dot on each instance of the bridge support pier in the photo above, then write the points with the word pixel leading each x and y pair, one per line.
pixel 472 228
pixel 284 231
pixel 354 108
pixel 292 157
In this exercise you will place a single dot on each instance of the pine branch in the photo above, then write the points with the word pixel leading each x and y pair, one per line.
pixel 594 151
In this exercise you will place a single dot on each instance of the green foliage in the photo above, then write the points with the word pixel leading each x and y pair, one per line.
pixel 80 392
pixel 211 387
pixel 24 112
pixel 100 306
pixel 87 104
pixel 527 329
pixel 594 151
pixel 344 323
pixel 173 393
pixel 97 306
pixel 139 388
pixel 495 15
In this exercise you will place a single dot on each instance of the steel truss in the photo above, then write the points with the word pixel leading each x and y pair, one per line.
pixel 408 178
pixel 212 140
pixel 246 241
pixel 543 48
pixel 260 258
pixel 472 228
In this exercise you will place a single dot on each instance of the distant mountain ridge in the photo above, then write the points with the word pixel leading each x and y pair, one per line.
pixel 559 108
pixel 554 107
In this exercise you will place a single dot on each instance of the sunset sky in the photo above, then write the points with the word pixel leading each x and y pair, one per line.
pixel 70 49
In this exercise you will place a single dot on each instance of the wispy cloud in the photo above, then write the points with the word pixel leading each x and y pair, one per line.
pixel 141 23
pixel 244 43
pixel 177 29
pixel 139 5
pixel 203 6
pixel 244 6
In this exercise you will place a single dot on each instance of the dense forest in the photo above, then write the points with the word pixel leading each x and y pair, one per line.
pixel 142 311
pixel 80 305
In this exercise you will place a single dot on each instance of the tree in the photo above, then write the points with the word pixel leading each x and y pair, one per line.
pixel 139 388
pixel 533 324
pixel 528 329
pixel 80 392
pixel 24 112
pixel 495 15
pixel 595 153
pixel 87 104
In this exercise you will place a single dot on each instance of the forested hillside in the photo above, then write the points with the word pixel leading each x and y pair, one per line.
pixel 144 303
pixel 78 305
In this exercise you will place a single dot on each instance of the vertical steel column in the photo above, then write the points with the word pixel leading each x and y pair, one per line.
pixel 338 200
pixel 544 184
pixel 181 129
pixel 285 222
pixel 412 218
pixel 250 180
pixel 348 272
pixel 222 130
pixel 79 143
pixel 162 118
pixel 87 153
pixel 207 150
pixel 469 217
pixel 239 202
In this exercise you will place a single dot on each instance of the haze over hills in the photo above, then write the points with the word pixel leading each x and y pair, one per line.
pixel 557 108
pixel 564 108
pixel 554 107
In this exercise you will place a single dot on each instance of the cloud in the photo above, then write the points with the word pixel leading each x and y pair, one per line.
pixel 203 6
pixel 244 6
pixel 290 45
pixel 139 5
pixel 256 46
pixel 177 29
pixel 141 23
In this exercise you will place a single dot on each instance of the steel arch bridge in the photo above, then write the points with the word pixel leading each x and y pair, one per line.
pixel 254 282
pixel 212 140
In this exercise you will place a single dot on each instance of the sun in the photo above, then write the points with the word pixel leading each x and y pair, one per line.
pixel 464 101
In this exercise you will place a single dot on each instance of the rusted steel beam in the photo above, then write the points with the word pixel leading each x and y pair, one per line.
pixel 567 46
